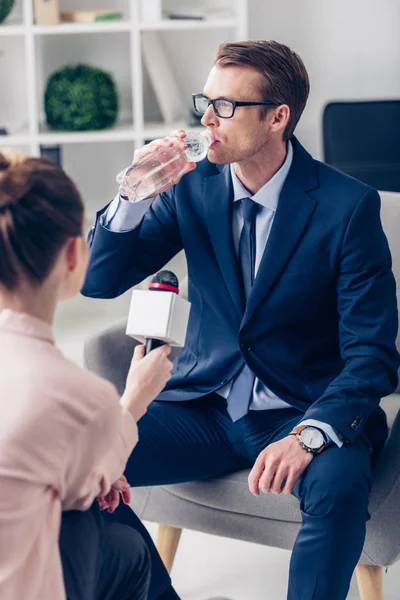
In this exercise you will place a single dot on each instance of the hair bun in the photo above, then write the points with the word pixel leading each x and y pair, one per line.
pixel 13 181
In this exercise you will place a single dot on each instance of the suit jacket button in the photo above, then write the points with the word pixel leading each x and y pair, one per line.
pixel 357 422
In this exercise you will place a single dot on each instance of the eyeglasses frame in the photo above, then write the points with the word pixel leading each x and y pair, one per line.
pixel 234 104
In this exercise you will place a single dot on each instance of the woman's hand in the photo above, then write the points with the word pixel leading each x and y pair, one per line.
pixel 147 377
pixel 120 488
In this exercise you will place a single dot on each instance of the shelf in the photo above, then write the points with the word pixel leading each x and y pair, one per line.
pixel 155 130
pixel 36 51
pixel 16 29
pixel 18 136
pixel 74 28
pixel 185 24
pixel 14 140
pixel 120 132
pixel 118 26
pixel 123 132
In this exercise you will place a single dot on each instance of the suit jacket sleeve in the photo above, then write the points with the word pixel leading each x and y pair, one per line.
pixel 368 324
pixel 120 260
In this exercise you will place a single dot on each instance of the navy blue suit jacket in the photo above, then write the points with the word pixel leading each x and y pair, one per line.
pixel 319 327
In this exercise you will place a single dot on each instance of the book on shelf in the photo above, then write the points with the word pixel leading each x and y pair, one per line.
pixel 90 16
pixel 46 12
pixel 53 153
pixel 184 13
pixel 209 10
pixel 184 16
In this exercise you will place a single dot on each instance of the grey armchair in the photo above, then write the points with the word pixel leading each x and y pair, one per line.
pixel 224 506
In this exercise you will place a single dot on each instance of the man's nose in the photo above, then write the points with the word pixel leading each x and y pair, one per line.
pixel 209 117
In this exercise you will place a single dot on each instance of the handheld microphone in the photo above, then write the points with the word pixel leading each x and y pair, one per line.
pixel 164 281
pixel 156 319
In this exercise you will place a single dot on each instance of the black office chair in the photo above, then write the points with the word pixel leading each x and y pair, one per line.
pixel 362 139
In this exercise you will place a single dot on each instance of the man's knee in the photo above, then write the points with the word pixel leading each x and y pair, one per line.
pixel 336 501
pixel 336 491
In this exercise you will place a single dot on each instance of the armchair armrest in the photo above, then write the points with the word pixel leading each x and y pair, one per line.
pixel 109 354
pixel 383 530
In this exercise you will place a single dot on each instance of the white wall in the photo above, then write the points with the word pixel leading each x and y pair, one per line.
pixel 351 49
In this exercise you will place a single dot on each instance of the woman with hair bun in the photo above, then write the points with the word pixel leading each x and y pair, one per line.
pixel 65 435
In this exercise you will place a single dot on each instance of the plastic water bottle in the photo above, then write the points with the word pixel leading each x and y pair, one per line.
pixel 198 143
pixel 157 170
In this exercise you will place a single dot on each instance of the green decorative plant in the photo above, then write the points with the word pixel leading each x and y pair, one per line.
pixel 80 98
pixel 5 8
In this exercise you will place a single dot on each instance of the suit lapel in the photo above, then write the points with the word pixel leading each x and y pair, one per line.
pixel 293 214
pixel 218 201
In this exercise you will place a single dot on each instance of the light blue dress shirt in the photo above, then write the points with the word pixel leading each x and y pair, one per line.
pixel 119 218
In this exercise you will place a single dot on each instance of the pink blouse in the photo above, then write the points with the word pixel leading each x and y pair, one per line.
pixel 64 438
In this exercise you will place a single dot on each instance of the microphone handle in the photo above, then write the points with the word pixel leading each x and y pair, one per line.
pixel 152 344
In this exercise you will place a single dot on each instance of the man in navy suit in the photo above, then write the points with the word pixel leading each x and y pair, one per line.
pixel 291 339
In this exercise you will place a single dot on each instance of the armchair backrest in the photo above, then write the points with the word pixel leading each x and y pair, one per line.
pixel 390 215
pixel 359 142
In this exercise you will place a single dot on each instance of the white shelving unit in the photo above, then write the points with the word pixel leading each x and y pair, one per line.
pixel 29 53
pixel 32 133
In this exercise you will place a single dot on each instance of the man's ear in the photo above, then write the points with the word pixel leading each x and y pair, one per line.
pixel 280 118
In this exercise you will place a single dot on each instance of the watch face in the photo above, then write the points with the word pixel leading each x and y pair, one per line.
pixel 312 438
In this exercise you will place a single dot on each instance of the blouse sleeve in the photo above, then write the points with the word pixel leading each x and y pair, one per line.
pixel 29 523
pixel 101 450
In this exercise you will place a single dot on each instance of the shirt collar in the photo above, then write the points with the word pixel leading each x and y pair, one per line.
pixel 25 325
pixel 268 195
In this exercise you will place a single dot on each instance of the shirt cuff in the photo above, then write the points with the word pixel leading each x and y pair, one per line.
pixel 122 215
pixel 328 429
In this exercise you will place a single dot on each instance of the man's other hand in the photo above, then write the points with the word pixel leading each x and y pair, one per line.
pixel 278 467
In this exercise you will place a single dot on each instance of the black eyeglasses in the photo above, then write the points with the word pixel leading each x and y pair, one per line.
pixel 223 108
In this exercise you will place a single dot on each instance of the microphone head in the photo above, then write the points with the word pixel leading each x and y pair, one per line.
pixel 165 281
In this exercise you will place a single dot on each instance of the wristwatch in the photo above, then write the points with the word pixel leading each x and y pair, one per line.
pixel 311 439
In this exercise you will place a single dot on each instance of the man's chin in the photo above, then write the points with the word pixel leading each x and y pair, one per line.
pixel 215 159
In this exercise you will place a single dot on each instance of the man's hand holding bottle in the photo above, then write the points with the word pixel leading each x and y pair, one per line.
pixel 162 163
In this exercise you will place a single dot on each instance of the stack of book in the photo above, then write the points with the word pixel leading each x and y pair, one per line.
pixel 90 16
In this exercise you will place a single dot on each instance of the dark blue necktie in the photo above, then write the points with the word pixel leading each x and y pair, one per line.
pixel 247 243
pixel 242 388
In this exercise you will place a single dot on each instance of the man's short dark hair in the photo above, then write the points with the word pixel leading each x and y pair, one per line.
pixel 284 74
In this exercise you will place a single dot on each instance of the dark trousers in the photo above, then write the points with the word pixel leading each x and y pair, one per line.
pixel 106 560
pixel 102 561
pixel 184 441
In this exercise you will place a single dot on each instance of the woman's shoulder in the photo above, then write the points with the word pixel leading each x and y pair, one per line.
pixel 81 385
pixel 46 404
pixel 48 380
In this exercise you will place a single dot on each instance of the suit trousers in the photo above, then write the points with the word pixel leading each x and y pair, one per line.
pixel 194 440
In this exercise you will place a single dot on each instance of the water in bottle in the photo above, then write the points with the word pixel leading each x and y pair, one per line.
pixel 159 169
